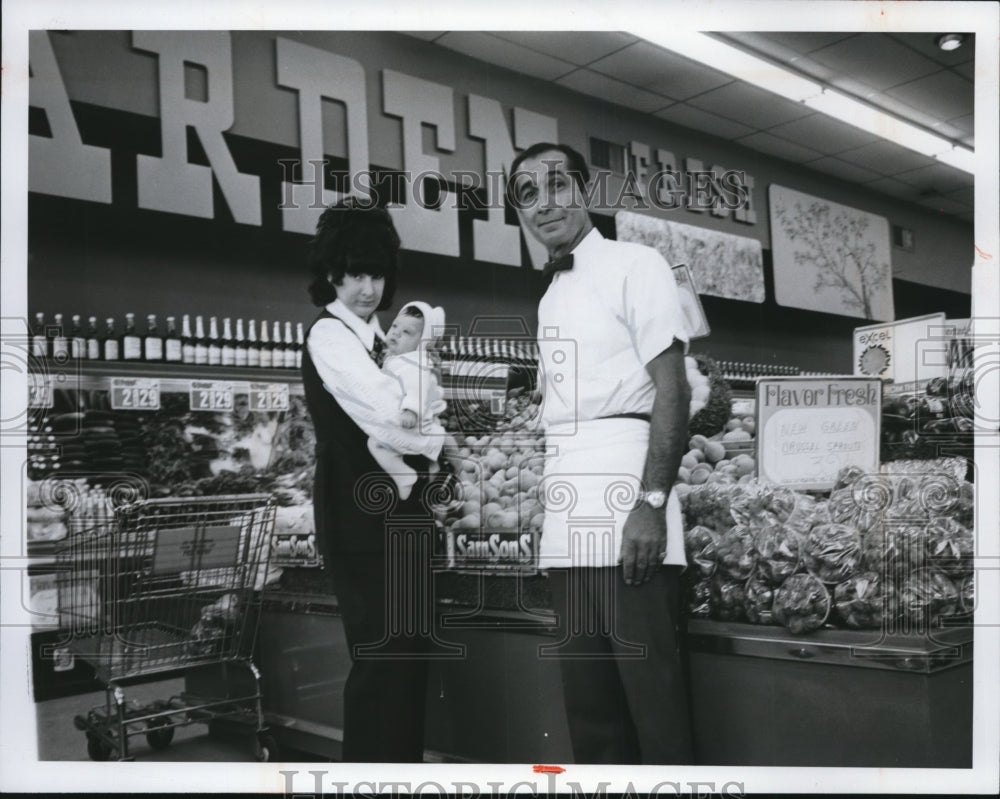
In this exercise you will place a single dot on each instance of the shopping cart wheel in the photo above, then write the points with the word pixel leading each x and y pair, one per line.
pixel 267 748
pixel 158 735
pixel 97 748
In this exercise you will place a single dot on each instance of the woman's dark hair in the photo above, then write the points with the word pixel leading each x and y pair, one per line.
pixel 353 237
pixel 576 166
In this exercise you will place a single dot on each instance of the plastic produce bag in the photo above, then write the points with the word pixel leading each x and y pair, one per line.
pixel 802 604
pixel 728 599
pixel 759 600
pixel 889 549
pixel 700 547
pixel 760 505
pixel 778 553
pixel 832 552
pixel 736 553
pixel 951 546
pixel 864 601
pixel 699 599
pixel 927 595
pixel 709 506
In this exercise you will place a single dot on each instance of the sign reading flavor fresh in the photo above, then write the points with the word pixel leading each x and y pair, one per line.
pixel 809 428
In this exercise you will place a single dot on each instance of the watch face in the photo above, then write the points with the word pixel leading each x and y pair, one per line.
pixel 656 499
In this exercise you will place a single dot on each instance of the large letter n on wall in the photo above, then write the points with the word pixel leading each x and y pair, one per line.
pixel 170 183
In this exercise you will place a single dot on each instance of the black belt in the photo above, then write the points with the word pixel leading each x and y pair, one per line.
pixel 645 417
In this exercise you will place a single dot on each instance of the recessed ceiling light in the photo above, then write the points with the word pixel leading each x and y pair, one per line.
pixel 950 41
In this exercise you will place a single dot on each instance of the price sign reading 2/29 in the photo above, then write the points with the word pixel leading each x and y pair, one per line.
pixel 269 396
pixel 211 395
pixel 135 394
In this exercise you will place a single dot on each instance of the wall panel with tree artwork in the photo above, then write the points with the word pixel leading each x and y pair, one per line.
pixel 829 257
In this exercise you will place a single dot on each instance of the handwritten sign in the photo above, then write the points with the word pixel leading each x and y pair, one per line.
pixel 269 396
pixel 211 395
pixel 809 428
pixel 135 394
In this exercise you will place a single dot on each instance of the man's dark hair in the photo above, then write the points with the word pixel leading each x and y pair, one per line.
pixel 576 166
pixel 353 237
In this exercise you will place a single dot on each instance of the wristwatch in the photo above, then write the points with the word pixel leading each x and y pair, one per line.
pixel 655 499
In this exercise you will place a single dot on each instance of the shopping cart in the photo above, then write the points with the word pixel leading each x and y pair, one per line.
pixel 168 585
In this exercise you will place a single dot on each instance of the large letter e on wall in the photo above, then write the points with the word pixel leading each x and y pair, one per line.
pixel 170 183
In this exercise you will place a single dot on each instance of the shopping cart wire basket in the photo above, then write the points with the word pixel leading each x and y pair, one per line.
pixel 166 585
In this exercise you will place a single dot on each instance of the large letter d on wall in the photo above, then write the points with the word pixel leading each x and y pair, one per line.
pixel 170 183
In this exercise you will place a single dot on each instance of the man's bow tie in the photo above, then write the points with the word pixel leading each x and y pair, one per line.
pixel 560 264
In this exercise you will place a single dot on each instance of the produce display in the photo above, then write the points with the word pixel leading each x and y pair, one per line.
pixel 877 549
pixel 914 425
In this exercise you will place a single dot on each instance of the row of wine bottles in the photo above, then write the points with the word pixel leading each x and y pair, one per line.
pixel 275 348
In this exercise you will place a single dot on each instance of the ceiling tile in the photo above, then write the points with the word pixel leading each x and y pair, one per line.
pixel 614 91
pixel 750 105
pixel 967 70
pixel 885 158
pixel 939 177
pixel 943 94
pixel 832 165
pixel 965 195
pixel 920 115
pixel 966 124
pixel 804 41
pixel 875 60
pixel 781 148
pixel 505 54
pixel 943 204
pixel 577 47
pixel 824 133
pixel 661 71
pixel 429 36
pixel 690 117
pixel 894 188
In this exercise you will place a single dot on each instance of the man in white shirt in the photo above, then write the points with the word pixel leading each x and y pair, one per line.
pixel 612 339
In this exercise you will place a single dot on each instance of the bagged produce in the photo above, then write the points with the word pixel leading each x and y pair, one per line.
pixel 891 549
pixel 728 599
pixel 735 553
pixel 863 504
pixel 801 604
pixel 951 546
pixel 759 600
pixel 777 553
pixel 709 506
pixel 864 601
pixel 927 595
pixel 847 476
pixel 700 547
pixel 760 505
pixel 699 599
pixel 832 552
pixel 967 594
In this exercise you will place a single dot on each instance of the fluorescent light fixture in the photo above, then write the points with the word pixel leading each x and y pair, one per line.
pixel 765 75
pixel 735 62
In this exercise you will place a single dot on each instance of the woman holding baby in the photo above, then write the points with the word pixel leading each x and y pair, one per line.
pixel 377 441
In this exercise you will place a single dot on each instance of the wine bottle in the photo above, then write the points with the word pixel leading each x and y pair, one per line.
pixel 173 352
pixel 266 353
pixel 289 347
pixel 110 349
pixel 58 345
pixel 200 342
pixel 253 347
pixel 228 348
pixel 77 343
pixel 214 345
pixel 277 347
pixel 93 340
pixel 131 341
pixel 39 342
pixel 240 355
pixel 187 340
pixel 299 344
pixel 152 344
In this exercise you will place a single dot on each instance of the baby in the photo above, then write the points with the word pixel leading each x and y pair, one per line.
pixel 414 328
